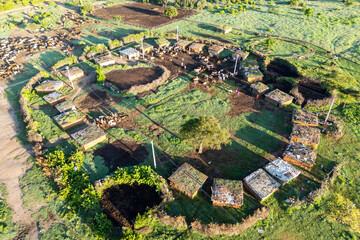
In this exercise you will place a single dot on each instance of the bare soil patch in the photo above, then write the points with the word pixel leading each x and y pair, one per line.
pixel 124 79
pixel 174 63
pixel 241 103
pixel 141 14
pixel 122 203
pixel 93 99
pixel 122 154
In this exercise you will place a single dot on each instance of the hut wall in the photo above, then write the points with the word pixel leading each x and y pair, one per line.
pixel 297 163
pixel 300 140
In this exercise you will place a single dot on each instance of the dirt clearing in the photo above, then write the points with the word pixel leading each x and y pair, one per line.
pixel 94 99
pixel 241 103
pixel 141 14
pixel 122 154
pixel 125 79
pixel 122 203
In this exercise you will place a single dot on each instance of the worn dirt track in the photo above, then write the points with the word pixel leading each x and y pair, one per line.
pixel 13 162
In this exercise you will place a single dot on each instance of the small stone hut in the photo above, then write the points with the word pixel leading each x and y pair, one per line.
pixel 300 155
pixel 261 184
pixel 282 171
pixel 308 135
pixel 89 137
pixel 227 193
pixel 279 98
pixel 305 117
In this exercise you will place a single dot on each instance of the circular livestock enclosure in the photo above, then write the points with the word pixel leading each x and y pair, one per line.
pixel 122 154
pixel 123 202
pixel 138 79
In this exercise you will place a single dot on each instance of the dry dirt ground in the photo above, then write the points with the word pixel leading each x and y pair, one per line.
pixel 140 14
pixel 13 162
pixel 125 79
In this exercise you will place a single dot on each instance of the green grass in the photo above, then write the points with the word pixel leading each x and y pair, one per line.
pixel 46 125
pixel 8 230
pixel 283 49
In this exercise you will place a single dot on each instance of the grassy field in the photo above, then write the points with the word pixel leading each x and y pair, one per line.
pixel 255 135
pixel 8 230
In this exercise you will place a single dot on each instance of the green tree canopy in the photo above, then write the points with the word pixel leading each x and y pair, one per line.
pixel 204 132
pixel 171 12
pixel 308 12
pixel 270 42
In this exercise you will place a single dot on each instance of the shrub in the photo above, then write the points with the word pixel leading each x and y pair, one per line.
pixel 117 18
pixel 171 12
pixel 87 8
pixel 352 113
pixel 294 3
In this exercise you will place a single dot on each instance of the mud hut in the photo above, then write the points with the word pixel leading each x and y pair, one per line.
pixel 130 53
pixel 215 50
pixel 161 43
pixel 182 44
pixel 305 117
pixel 54 98
pixel 241 54
pixel 279 98
pixel 196 47
pixel 308 135
pixel 282 171
pixel 89 137
pixel 300 155
pixel 187 180
pixel 261 184
pixel 227 193
pixel 146 46
pixel 75 73
pixel 69 119
pixel 253 75
pixel 259 88
pixel 105 60
pixel 249 64
pixel 49 86
pixel 65 106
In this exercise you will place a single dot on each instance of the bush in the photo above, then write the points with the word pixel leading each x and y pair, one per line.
pixel 352 113
pixel 294 3
pixel 117 18
pixel 171 12
pixel 87 8
pixel 100 75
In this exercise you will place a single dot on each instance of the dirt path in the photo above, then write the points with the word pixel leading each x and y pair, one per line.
pixel 13 156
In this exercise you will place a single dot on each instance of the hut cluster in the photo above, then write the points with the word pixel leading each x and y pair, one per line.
pixel 261 183
pixel 69 116
pixel 304 139
pixel 12 48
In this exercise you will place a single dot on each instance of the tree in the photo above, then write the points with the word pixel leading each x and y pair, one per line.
pixel 87 8
pixel 204 132
pixel 270 42
pixel 294 3
pixel 171 12
pixel 308 12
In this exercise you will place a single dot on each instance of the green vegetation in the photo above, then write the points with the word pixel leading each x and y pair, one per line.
pixel 87 8
pixel 10 4
pixel 171 12
pixel 7 229
pixel 204 132
pixel 47 20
